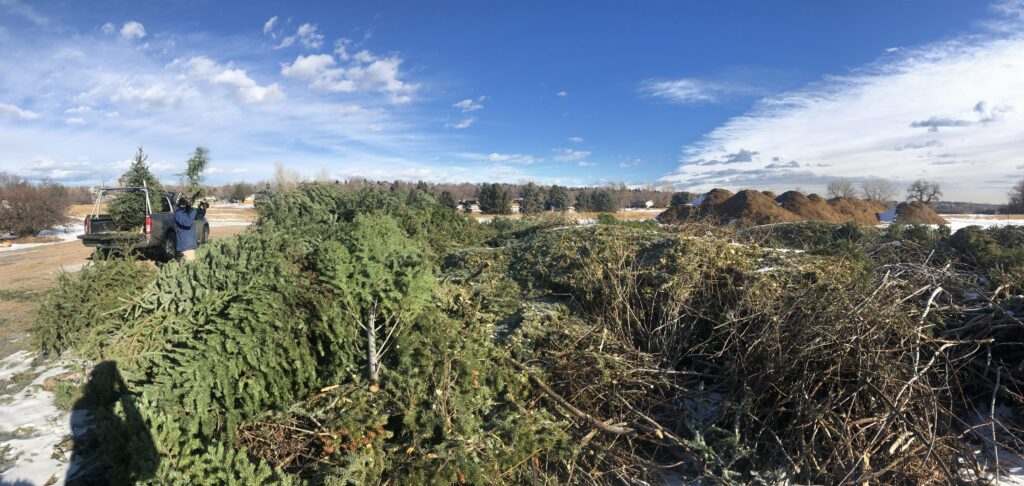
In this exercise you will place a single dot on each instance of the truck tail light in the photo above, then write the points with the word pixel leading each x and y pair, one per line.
pixel 86 225
pixel 148 229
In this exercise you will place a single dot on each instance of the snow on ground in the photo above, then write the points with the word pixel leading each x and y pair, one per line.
pixel 63 234
pixel 958 221
pixel 31 426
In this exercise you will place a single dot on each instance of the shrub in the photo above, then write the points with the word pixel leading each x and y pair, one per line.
pixel 26 208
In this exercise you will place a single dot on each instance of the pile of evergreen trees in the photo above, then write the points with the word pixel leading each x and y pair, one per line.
pixel 381 336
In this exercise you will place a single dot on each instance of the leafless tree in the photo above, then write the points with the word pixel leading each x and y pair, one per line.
pixel 1017 198
pixel 878 190
pixel 285 179
pixel 841 188
pixel 924 191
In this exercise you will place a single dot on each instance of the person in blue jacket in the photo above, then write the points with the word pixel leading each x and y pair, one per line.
pixel 184 228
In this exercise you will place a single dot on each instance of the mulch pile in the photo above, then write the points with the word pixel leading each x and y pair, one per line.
pixel 856 210
pixel 816 209
pixel 755 207
pixel 759 208
pixel 917 213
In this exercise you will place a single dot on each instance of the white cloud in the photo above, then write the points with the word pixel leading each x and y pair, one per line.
pixel 307 34
pixel 364 73
pixel 575 139
pixel 469 104
pixel 465 123
pixel 108 28
pixel 562 94
pixel 154 95
pixel 248 91
pixel 79 109
pixel 631 163
pixel 25 11
pixel 689 90
pixel 584 163
pixel 341 48
pixel 885 120
pixel 496 157
pixel 240 170
pixel 351 110
pixel 268 26
pixel 374 127
pixel 364 56
pixel 17 113
pixel 568 155
pixel 133 30
pixel 75 121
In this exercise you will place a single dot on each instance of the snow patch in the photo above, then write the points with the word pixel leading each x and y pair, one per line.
pixel 32 425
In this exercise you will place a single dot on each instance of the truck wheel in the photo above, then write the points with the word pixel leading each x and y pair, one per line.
pixel 206 235
pixel 170 252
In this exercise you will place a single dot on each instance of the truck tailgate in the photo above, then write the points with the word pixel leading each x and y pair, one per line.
pixel 112 238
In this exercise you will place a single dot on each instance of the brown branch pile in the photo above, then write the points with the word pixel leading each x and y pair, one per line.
pixel 734 367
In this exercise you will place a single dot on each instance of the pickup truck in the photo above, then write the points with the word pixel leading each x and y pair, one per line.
pixel 155 238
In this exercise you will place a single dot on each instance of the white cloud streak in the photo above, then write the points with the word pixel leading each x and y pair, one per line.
pixel 689 90
pixel 16 113
pixel 465 123
pixel 887 120
pixel 468 105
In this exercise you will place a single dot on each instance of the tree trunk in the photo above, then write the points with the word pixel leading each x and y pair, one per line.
pixel 371 349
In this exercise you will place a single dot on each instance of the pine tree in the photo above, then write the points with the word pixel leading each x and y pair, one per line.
pixel 447 200
pixel 557 199
pixel 128 209
pixel 494 199
pixel 681 198
pixel 381 280
pixel 533 198
pixel 603 201
pixel 583 202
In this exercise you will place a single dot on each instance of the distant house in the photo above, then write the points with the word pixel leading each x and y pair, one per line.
pixel 648 204
pixel 517 205
pixel 250 199
pixel 469 205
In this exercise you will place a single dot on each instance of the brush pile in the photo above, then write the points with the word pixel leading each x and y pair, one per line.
pixel 541 352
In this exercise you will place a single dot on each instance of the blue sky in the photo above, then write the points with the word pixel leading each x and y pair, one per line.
pixel 772 95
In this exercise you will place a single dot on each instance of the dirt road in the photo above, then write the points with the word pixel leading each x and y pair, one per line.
pixel 25 275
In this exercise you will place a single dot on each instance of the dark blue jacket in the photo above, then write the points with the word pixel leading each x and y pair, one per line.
pixel 184 228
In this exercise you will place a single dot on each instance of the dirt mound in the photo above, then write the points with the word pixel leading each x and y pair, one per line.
pixel 755 207
pixel 856 210
pixel 715 197
pixel 917 213
pixel 813 207
pixel 675 214
pixel 770 194
pixel 703 206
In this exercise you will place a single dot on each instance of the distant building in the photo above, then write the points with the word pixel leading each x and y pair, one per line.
pixel 516 205
pixel 469 205
pixel 250 199
pixel 649 204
